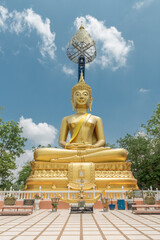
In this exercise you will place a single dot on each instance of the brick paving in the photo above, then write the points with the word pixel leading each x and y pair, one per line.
pixel 112 225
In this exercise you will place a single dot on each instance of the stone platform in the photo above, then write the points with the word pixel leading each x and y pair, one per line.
pixel 112 225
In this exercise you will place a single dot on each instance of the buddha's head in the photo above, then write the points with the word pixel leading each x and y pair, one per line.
pixel 81 95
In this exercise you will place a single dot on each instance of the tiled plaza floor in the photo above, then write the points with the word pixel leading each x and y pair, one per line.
pixel 112 225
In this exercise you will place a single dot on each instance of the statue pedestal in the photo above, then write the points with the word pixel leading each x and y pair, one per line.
pixel 114 176
pixel 56 176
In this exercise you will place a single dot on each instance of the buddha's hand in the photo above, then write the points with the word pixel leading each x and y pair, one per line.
pixel 80 146
pixel 71 146
pixel 83 146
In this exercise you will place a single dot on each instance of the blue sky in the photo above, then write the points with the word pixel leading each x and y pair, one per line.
pixel 37 76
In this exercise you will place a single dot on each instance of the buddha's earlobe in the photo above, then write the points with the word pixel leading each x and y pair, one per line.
pixel 90 104
pixel 73 106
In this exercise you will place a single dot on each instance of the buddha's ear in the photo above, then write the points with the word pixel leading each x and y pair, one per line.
pixel 90 104
pixel 73 106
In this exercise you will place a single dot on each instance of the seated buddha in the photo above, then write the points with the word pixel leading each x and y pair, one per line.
pixel 87 143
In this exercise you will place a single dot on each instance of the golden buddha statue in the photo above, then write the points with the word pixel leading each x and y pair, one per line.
pixel 84 161
pixel 87 134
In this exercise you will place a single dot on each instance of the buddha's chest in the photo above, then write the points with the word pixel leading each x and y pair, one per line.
pixel 87 125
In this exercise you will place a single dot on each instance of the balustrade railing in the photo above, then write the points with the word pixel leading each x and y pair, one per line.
pixel 47 195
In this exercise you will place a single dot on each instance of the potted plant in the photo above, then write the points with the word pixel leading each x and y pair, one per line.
pixel 130 195
pixel 54 204
pixel 111 206
pixel 150 198
pixel 37 200
pixel 105 203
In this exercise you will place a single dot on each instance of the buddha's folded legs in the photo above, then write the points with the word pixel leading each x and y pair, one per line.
pixel 112 155
pixel 46 154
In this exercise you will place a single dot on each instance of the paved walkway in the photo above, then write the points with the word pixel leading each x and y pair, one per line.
pixel 112 225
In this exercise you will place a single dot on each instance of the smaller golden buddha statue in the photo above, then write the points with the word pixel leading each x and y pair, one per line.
pixel 87 143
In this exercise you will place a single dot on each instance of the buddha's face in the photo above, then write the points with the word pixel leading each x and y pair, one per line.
pixel 81 99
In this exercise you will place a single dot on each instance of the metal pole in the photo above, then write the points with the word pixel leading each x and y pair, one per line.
pixel 81 67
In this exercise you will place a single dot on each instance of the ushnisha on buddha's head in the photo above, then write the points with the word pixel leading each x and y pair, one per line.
pixel 81 95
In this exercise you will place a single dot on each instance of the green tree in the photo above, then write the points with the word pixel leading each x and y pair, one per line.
pixel 23 175
pixel 153 125
pixel 41 146
pixel 144 157
pixel 110 145
pixel 153 131
pixel 144 152
pixel 11 146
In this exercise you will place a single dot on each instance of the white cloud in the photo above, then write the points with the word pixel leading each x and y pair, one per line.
pixel 28 20
pixel 68 71
pixel 113 49
pixel 143 90
pixel 138 5
pixel 3 17
pixel 41 133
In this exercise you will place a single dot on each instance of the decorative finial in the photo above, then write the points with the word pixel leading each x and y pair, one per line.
pixel 81 44
pixel 81 27
pixel 81 78
pixel 81 49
